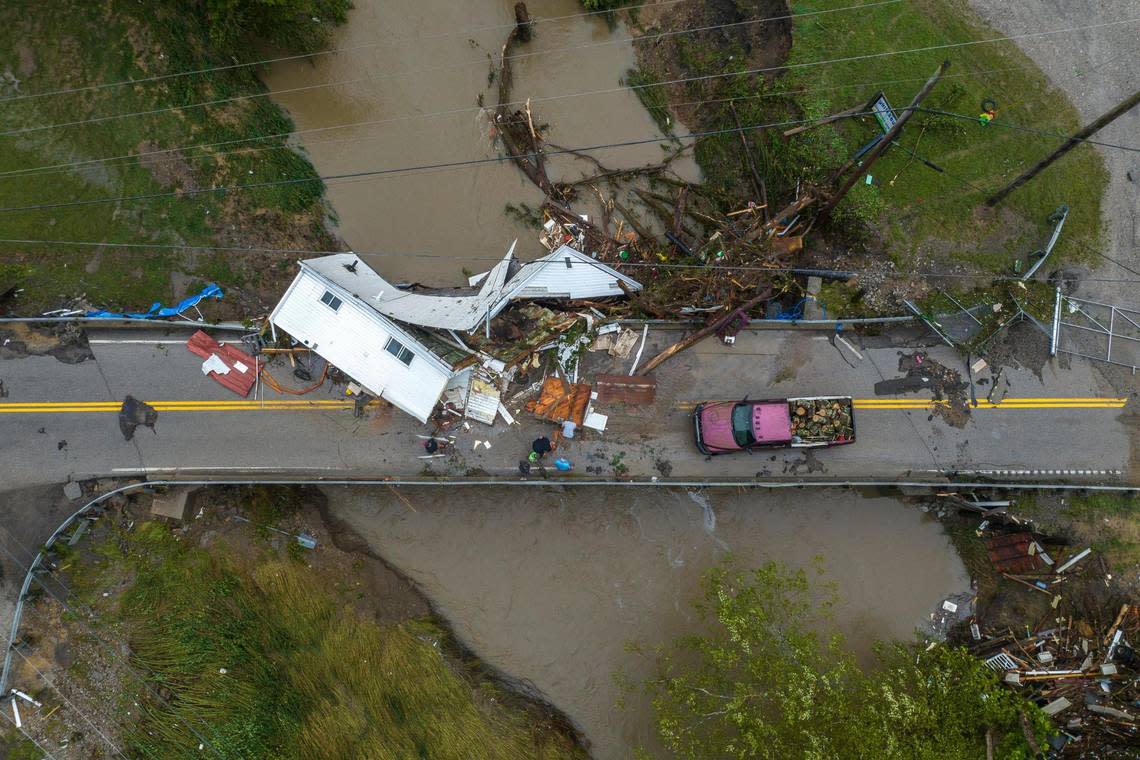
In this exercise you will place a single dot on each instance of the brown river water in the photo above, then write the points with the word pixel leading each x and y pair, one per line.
pixel 548 585
pixel 413 59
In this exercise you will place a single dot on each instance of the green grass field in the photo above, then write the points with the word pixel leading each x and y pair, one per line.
pixel 68 44
pixel 925 218
pixel 924 210
pixel 269 659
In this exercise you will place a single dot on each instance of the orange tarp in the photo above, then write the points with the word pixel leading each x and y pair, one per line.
pixel 559 401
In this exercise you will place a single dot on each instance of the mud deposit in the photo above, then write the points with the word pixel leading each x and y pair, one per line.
pixel 411 87
pixel 548 585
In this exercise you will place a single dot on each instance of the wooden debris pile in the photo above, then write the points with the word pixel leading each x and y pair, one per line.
pixel 1076 658
pixel 688 253
pixel 1086 679
pixel 821 420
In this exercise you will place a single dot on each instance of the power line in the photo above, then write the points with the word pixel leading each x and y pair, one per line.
pixel 319 53
pixel 398 170
pixel 458 111
pixel 410 169
pixel 762 70
pixel 1018 128
pixel 111 650
pixel 28 736
pixel 416 255
pixel 421 70
pixel 69 703
pixel 20 172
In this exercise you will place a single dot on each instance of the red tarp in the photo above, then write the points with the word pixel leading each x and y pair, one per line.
pixel 238 380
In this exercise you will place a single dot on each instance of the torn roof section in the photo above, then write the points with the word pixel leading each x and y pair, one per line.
pixel 565 273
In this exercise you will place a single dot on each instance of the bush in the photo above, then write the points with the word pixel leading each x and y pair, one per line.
pixel 604 5
pixel 297 25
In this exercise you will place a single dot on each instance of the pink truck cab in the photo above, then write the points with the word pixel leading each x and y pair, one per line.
pixel 723 427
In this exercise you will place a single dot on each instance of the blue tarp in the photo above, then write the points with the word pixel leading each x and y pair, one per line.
pixel 157 311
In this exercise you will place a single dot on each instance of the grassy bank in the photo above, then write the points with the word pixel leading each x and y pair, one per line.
pixel 266 652
pixel 938 213
pixel 67 44
pixel 919 217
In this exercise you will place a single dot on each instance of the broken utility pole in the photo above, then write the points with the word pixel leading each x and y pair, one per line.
pixel 704 332
pixel 1122 108
pixel 886 140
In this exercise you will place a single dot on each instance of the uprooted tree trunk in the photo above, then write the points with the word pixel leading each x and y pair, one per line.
pixel 517 127
pixel 703 333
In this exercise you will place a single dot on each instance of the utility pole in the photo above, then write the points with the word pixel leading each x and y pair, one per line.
pixel 886 140
pixel 1122 108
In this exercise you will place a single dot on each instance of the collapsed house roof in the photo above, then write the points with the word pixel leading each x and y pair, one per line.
pixel 393 341
pixel 565 273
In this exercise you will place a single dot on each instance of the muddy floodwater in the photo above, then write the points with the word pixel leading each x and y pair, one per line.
pixel 548 585
pixel 410 81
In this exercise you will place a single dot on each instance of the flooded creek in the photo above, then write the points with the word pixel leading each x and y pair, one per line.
pixel 411 84
pixel 548 585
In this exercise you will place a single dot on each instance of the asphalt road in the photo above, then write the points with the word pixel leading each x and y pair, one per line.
pixel 59 421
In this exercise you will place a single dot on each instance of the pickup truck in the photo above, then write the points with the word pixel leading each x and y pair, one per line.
pixel 723 427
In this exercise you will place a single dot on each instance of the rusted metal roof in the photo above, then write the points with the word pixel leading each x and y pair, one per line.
pixel 243 367
pixel 634 390
pixel 1009 553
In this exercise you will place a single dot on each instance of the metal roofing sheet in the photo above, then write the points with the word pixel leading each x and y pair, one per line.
pixel 444 312
pixel 636 390
pixel 1009 553
pixel 243 367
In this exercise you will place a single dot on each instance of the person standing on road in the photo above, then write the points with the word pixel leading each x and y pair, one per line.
pixel 540 448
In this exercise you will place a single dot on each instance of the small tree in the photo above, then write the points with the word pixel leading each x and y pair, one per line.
pixel 761 682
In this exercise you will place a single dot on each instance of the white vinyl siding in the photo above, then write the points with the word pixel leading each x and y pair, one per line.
pixel 568 273
pixel 353 339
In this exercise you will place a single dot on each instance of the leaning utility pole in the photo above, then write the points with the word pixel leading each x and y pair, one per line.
pixel 880 146
pixel 1124 107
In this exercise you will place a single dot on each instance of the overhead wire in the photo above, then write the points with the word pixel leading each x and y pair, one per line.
pixel 683 80
pixel 406 170
pixel 405 255
pixel 761 70
pixel 452 164
pixel 421 70
pixel 320 53
pixel 1019 128
pixel 451 112
pixel 71 705
pixel 28 736
pixel 363 174
pixel 110 649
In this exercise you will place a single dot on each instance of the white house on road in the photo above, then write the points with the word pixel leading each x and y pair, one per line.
pixel 336 323
pixel 362 324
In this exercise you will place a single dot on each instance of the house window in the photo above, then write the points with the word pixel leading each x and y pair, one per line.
pixel 331 301
pixel 399 350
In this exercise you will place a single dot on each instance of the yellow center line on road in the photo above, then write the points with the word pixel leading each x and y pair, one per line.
pixel 246 405
pixel 1013 403
pixel 90 407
